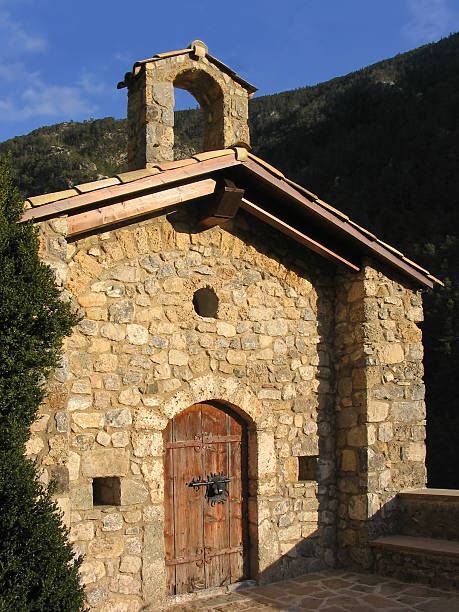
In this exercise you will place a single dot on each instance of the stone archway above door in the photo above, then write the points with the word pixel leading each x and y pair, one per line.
pixel 225 389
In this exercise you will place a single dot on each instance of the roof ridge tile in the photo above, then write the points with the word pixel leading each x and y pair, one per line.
pixel 435 279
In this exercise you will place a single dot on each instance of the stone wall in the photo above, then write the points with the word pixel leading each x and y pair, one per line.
pixel 380 405
pixel 141 354
pixel 224 103
pixel 325 367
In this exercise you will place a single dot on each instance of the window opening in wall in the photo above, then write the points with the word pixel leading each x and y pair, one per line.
pixel 205 302
pixel 188 125
pixel 106 491
pixel 307 468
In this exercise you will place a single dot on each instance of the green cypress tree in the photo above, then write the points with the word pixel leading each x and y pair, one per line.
pixel 37 568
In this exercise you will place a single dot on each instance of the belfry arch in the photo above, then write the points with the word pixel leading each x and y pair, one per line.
pixel 207 92
pixel 221 93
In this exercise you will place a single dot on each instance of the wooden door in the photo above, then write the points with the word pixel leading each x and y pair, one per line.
pixel 204 541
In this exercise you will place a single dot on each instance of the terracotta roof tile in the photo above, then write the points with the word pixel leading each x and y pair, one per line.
pixel 332 209
pixel 413 263
pixel 107 182
pixel 313 196
pixel 435 280
pixel 132 182
pixel 178 163
pixel 212 154
pixel 362 229
pixel 51 197
pixel 191 49
pixel 265 164
pixel 241 153
pixel 172 53
pixel 210 162
pixel 133 175
pixel 390 248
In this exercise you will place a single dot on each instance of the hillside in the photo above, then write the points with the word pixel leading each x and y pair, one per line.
pixel 381 144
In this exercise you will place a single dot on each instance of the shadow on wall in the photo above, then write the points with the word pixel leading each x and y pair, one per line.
pixel 318 551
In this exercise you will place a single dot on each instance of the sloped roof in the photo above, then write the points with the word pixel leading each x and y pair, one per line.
pixel 268 195
pixel 188 51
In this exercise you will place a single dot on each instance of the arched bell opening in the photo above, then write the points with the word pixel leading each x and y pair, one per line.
pixel 206 91
pixel 207 450
pixel 188 125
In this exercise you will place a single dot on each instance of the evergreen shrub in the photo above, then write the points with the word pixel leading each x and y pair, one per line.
pixel 37 569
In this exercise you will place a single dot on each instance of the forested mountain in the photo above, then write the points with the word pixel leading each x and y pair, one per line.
pixel 381 144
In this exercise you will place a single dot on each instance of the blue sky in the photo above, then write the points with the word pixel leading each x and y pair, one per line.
pixel 60 60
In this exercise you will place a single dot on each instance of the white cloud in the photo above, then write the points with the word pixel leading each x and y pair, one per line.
pixel 430 20
pixel 91 84
pixel 46 101
pixel 16 39
pixel 28 94
pixel 123 58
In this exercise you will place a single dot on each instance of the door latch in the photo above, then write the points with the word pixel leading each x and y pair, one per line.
pixel 216 487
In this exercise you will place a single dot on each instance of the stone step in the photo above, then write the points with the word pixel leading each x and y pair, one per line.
pixel 448 495
pixel 432 513
pixel 427 546
pixel 427 560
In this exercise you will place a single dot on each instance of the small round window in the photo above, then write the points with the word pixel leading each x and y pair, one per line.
pixel 205 302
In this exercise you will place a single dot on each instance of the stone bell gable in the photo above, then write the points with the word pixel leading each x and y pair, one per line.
pixel 233 325
pixel 222 95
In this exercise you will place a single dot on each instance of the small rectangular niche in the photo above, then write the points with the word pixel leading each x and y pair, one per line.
pixel 307 468
pixel 106 491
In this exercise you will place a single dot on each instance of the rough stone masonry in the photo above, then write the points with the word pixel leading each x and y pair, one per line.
pixel 324 365
pixel 321 364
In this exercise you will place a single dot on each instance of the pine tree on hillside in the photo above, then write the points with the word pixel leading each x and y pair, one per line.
pixel 37 569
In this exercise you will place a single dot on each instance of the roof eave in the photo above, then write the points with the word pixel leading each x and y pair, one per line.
pixel 170 174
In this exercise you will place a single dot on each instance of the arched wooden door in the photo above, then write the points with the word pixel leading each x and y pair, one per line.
pixel 205 534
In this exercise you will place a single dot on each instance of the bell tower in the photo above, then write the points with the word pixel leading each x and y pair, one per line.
pixel 222 95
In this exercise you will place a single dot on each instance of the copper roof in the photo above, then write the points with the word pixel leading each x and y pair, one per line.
pixel 191 50
pixel 168 175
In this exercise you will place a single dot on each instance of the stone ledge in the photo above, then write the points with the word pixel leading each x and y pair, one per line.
pixel 423 546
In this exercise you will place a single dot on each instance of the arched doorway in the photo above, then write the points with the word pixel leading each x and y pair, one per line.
pixel 205 529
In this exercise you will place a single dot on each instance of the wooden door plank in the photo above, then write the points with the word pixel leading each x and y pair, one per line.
pixel 169 510
pixel 201 441
pixel 216 518
pixel 187 503
pixel 235 501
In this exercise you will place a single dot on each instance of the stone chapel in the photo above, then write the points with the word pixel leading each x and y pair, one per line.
pixel 242 398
